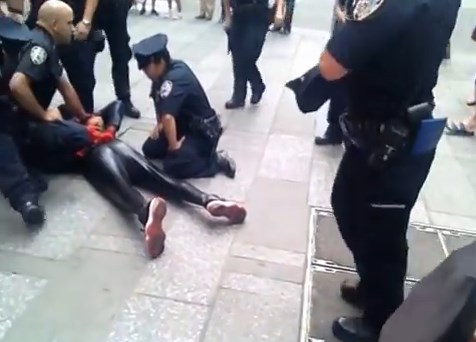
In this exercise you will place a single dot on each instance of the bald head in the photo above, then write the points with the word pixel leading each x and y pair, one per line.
pixel 57 18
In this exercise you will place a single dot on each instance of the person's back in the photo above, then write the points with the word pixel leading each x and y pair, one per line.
pixel 404 71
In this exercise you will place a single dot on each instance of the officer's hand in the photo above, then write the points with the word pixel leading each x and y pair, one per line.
pixel 95 121
pixel 154 135
pixel 81 31
pixel 177 146
pixel 52 114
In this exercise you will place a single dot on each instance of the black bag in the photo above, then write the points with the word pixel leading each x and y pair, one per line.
pixel 442 307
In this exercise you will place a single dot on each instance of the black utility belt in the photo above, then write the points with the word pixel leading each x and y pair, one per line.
pixel 210 127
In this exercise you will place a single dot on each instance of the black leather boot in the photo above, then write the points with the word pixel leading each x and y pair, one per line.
pixel 234 104
pixel 352 294
pixel 130 110
pixel 257 94
pixel 332 136
pixel 226 164
pixel 32 213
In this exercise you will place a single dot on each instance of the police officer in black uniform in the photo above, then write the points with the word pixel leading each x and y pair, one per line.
pixel 16 183
pixel 390 51
pixel 188 128
pixel 246 22
pixel 91 18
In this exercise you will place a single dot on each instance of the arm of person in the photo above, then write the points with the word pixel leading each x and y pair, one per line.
pixel 90 10
pixel 279 15
pixel 168 106
pixel 32 66
pixel 365 33
pixel 71 99
pixel 226 9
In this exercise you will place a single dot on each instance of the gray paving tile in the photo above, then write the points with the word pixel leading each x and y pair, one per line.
pixel 116 244
pixel 454 243
pixel 448 190
pixel 136 137
pixel 15 293
pixel 287 157
pixel 262 286
pixel 453 221
pixel 256 317
pixel 419 213
pixel 147 319
pixel 289 120
pixel 265 269
pixel 69 199
pixel 323 170
pixel 287 226
pixel 268 254
pixel 190 267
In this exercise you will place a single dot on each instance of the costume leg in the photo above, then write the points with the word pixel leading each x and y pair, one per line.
pixel 146 175
pixel 112 114
pixel 108 174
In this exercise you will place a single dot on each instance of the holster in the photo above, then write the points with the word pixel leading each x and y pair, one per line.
pixel 210 128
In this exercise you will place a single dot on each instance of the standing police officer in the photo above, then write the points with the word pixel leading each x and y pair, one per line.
pixel 390 51
pixel 188 129
pixel 247 27
pixel 15 182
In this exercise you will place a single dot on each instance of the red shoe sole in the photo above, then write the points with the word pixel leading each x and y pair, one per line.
pixel 234 212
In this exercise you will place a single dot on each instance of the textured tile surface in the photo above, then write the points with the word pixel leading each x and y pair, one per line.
pixel 147 319
pixel 287 157
pixel 190 267
pixel 15 293
pixel 268 254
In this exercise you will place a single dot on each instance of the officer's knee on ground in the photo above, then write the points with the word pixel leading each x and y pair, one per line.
pixel 154 149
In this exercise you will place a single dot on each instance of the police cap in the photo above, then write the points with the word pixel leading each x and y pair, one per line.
pixel 11 30
pixel 148 48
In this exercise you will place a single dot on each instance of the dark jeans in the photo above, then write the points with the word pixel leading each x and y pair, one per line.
pixel 288 18
pixel 372 209
pixel 246 39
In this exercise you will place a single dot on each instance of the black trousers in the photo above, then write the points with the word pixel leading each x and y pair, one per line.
pixel 114 169
pixel 246 39
pixel 372 209
pixel 111 16
pixel 195 159
pixel 15 182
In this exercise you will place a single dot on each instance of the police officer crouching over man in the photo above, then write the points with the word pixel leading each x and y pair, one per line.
pixel 389 51
pixel 188 129
pixel 246 23
pixel 16 183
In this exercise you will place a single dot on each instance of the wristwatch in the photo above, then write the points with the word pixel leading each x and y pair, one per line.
pixel 86 22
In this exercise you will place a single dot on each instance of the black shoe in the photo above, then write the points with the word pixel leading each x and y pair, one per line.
pixel 142 11
pixel 226 164
pixel 154 12
pixel 352 294
pixel 353 329
pixel 32 213
pixel 257 95
pixel 130 110
pixel 234 104
pixel 200 17
pixel 332 136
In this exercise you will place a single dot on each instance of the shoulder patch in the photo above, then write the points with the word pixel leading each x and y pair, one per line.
pixel 166 89
pixel 38 55
pixel 358 10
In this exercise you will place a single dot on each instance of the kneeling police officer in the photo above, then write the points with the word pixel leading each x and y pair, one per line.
pixel 390 52
pixel 16 184
pixel 188 128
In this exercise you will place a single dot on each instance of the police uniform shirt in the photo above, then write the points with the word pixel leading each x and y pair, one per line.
pixel 40 63
pixel 392 49
pixel 180 94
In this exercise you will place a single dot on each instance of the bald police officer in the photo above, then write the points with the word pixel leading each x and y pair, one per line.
pixel 390 51
pixel 188 128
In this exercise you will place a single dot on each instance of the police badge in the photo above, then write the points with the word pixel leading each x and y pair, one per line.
pixel 166 89
pixel 358 10
pixel 38 55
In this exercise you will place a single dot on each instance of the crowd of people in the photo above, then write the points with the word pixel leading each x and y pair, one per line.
pixel 388 127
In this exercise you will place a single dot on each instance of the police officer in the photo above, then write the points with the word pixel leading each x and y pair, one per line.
pixel 16 184
pixel 390 51
pixel 39 74
pixel 188 129
pixel 246 28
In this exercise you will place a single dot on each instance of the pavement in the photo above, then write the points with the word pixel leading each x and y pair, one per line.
pixel 84 277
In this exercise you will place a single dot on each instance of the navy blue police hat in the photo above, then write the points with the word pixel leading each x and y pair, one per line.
pixel 11 30
pixel 312 90
pixel 150 47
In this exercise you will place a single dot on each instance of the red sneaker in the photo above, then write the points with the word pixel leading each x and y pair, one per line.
pixel 234 212
pixel 154 235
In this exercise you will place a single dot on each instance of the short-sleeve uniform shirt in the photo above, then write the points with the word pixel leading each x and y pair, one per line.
pixel 180 94
pixel 40 63
pixel 393 50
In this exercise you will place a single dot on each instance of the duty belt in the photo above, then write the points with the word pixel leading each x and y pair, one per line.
pixel 210 128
